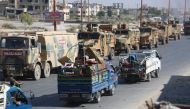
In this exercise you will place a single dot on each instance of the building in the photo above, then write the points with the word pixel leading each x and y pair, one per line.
pixel 76 9
pixel 3 5
pixel 65 8
pixel 118 5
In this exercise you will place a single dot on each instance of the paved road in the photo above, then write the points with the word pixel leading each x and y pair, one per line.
pixel 175 61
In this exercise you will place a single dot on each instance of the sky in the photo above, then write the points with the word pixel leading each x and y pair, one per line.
pixel 134 3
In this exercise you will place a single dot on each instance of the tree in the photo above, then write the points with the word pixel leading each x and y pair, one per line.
pixel 26 19
pixel 110 13
pixel 154 11
pixel 101 14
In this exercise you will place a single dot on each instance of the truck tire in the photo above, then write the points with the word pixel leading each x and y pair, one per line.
pixel 167 40
pixel 156 45
pixel 150 46
pixel 37 72
pixel 175 37
pixel 47 70
pixel 163 41
pixel 148 77
pixel 112 91
pixel 97 97
pixel 156 73
pixel 179 37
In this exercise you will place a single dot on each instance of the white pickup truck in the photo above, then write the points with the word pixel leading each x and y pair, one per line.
pixel 141 65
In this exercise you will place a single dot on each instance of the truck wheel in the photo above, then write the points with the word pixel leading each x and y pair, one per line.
pixel 37 72
pixel 47 70
pixel 167 40
pixel 179 37
pixel 150 46
pixel 112 91
pixel 163 41
pixel 156 45
pixel 97 97
pixel 156 74
pixel 148 77
pixel 175 37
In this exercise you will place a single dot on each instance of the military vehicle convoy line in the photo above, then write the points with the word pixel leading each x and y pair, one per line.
pixel 35 54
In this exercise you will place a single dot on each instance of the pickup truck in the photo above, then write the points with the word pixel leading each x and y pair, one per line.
pixel 141 65
pixel 13 98
pixel 87 83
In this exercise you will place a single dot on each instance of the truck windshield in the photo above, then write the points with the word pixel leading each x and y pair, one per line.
pixel 143 30
pixel 14 42
pixel 124 32
pixel 88 36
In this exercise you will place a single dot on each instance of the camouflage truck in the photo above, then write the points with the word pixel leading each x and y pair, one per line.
pixel 101 39
pixel 164 31
pixel 102 42
pixel 176 30
pixel 148 37
pixel 126 39
pixel 36 55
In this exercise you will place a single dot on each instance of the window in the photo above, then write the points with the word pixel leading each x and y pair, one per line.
pixel 37 7
pixel 36 1
pixel 21 1
pixel 30 8
pixel 30 1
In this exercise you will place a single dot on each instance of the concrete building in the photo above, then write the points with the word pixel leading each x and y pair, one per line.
pixel 76 9
pixel 3 5
pixel 118 5
pixel 65 8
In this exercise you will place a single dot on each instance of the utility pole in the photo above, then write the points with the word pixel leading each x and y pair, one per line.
pixel 184 17
pixel 81 15
pixel 88 12
pixel 168 11
pixel 141 13
pixel 54 22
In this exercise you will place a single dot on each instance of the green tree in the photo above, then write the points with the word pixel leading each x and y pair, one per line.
pixel 26 19
pixel 101 14
pixel 110 13
pixel 154 11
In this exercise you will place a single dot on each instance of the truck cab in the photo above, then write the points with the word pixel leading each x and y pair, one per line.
pixel 13 98
pixel 19 54
pixel 148 37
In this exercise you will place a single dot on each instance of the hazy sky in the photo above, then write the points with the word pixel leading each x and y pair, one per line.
pixel 133 3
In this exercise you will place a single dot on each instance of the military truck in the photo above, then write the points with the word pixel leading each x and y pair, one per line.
pixel 176 30
pixel 36 55
pixel 126 39
pixel 148 37
pixel 102 41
